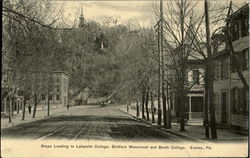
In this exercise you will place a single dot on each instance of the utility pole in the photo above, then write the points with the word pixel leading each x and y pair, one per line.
pixel 159 77
pixel 210 75
pixel 206 124
pixel 162 67
pixel 10 110
pixel 50 80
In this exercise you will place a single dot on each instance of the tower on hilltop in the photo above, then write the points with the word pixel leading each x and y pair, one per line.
pixel 81 19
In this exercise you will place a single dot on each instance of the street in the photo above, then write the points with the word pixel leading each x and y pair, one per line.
pixel 90 123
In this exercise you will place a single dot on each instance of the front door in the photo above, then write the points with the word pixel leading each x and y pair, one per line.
pixel 224 107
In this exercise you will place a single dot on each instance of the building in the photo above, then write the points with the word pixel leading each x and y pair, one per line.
pixel 15 100
pixel 81 20
pixel 230 96
pixel 79 97
pixel 239 25
pixel 194 81
pixel 193 107
pixel 195 94
pixel 86 35
pixel 222 80
pixel 58 95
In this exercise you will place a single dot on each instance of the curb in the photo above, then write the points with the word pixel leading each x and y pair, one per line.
pixel 38 119
pixel 34 120
pixel 166 130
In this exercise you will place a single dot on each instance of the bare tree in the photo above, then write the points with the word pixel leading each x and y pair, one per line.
pixel 24 22
pixel 176 44
pixel 228 29
pixel 216 25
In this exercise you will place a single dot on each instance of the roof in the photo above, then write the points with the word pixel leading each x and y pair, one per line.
pixel 220 54
pixel 218 36
pixel 61 72
pixel 244 10
pixel 96 100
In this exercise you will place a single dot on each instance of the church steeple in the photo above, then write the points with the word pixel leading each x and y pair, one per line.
pixel 190 34
pixel 81 19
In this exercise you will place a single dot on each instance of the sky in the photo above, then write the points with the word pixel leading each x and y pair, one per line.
pixel 125 11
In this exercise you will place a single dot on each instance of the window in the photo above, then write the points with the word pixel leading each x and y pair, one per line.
pixel 240 101
pixel 43 97
pixel 247 99
pixel 221 70
pixel 244 27
pixel 243 101
pixel 215 45
pixel 224 70
pixel 196 77
pixel 235 59
pixel 57 97
pixel 216 70
pixel 235 100
pixel 242 59
pixel 236 32
pixel 216 102
pixel 57 89
pixel 50 97
pixel 245 57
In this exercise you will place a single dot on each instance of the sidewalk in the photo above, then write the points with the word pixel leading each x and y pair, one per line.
pixel 40 114
pixel 193 131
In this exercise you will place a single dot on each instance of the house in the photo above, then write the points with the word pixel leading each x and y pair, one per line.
pixel 230 96
pixel 79 97
pixel 195 94
pixel 222 80
pixel 16 100
pixel 239 96
pixel 193 107
pixel 194 81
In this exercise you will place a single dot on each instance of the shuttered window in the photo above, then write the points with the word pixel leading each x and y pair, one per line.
pixel 240 101
pixel 245 59
pixel 224 70
pixel 216 71
pixel 196 76
pixel 234 100
pixel 244 27
pixel 236 31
